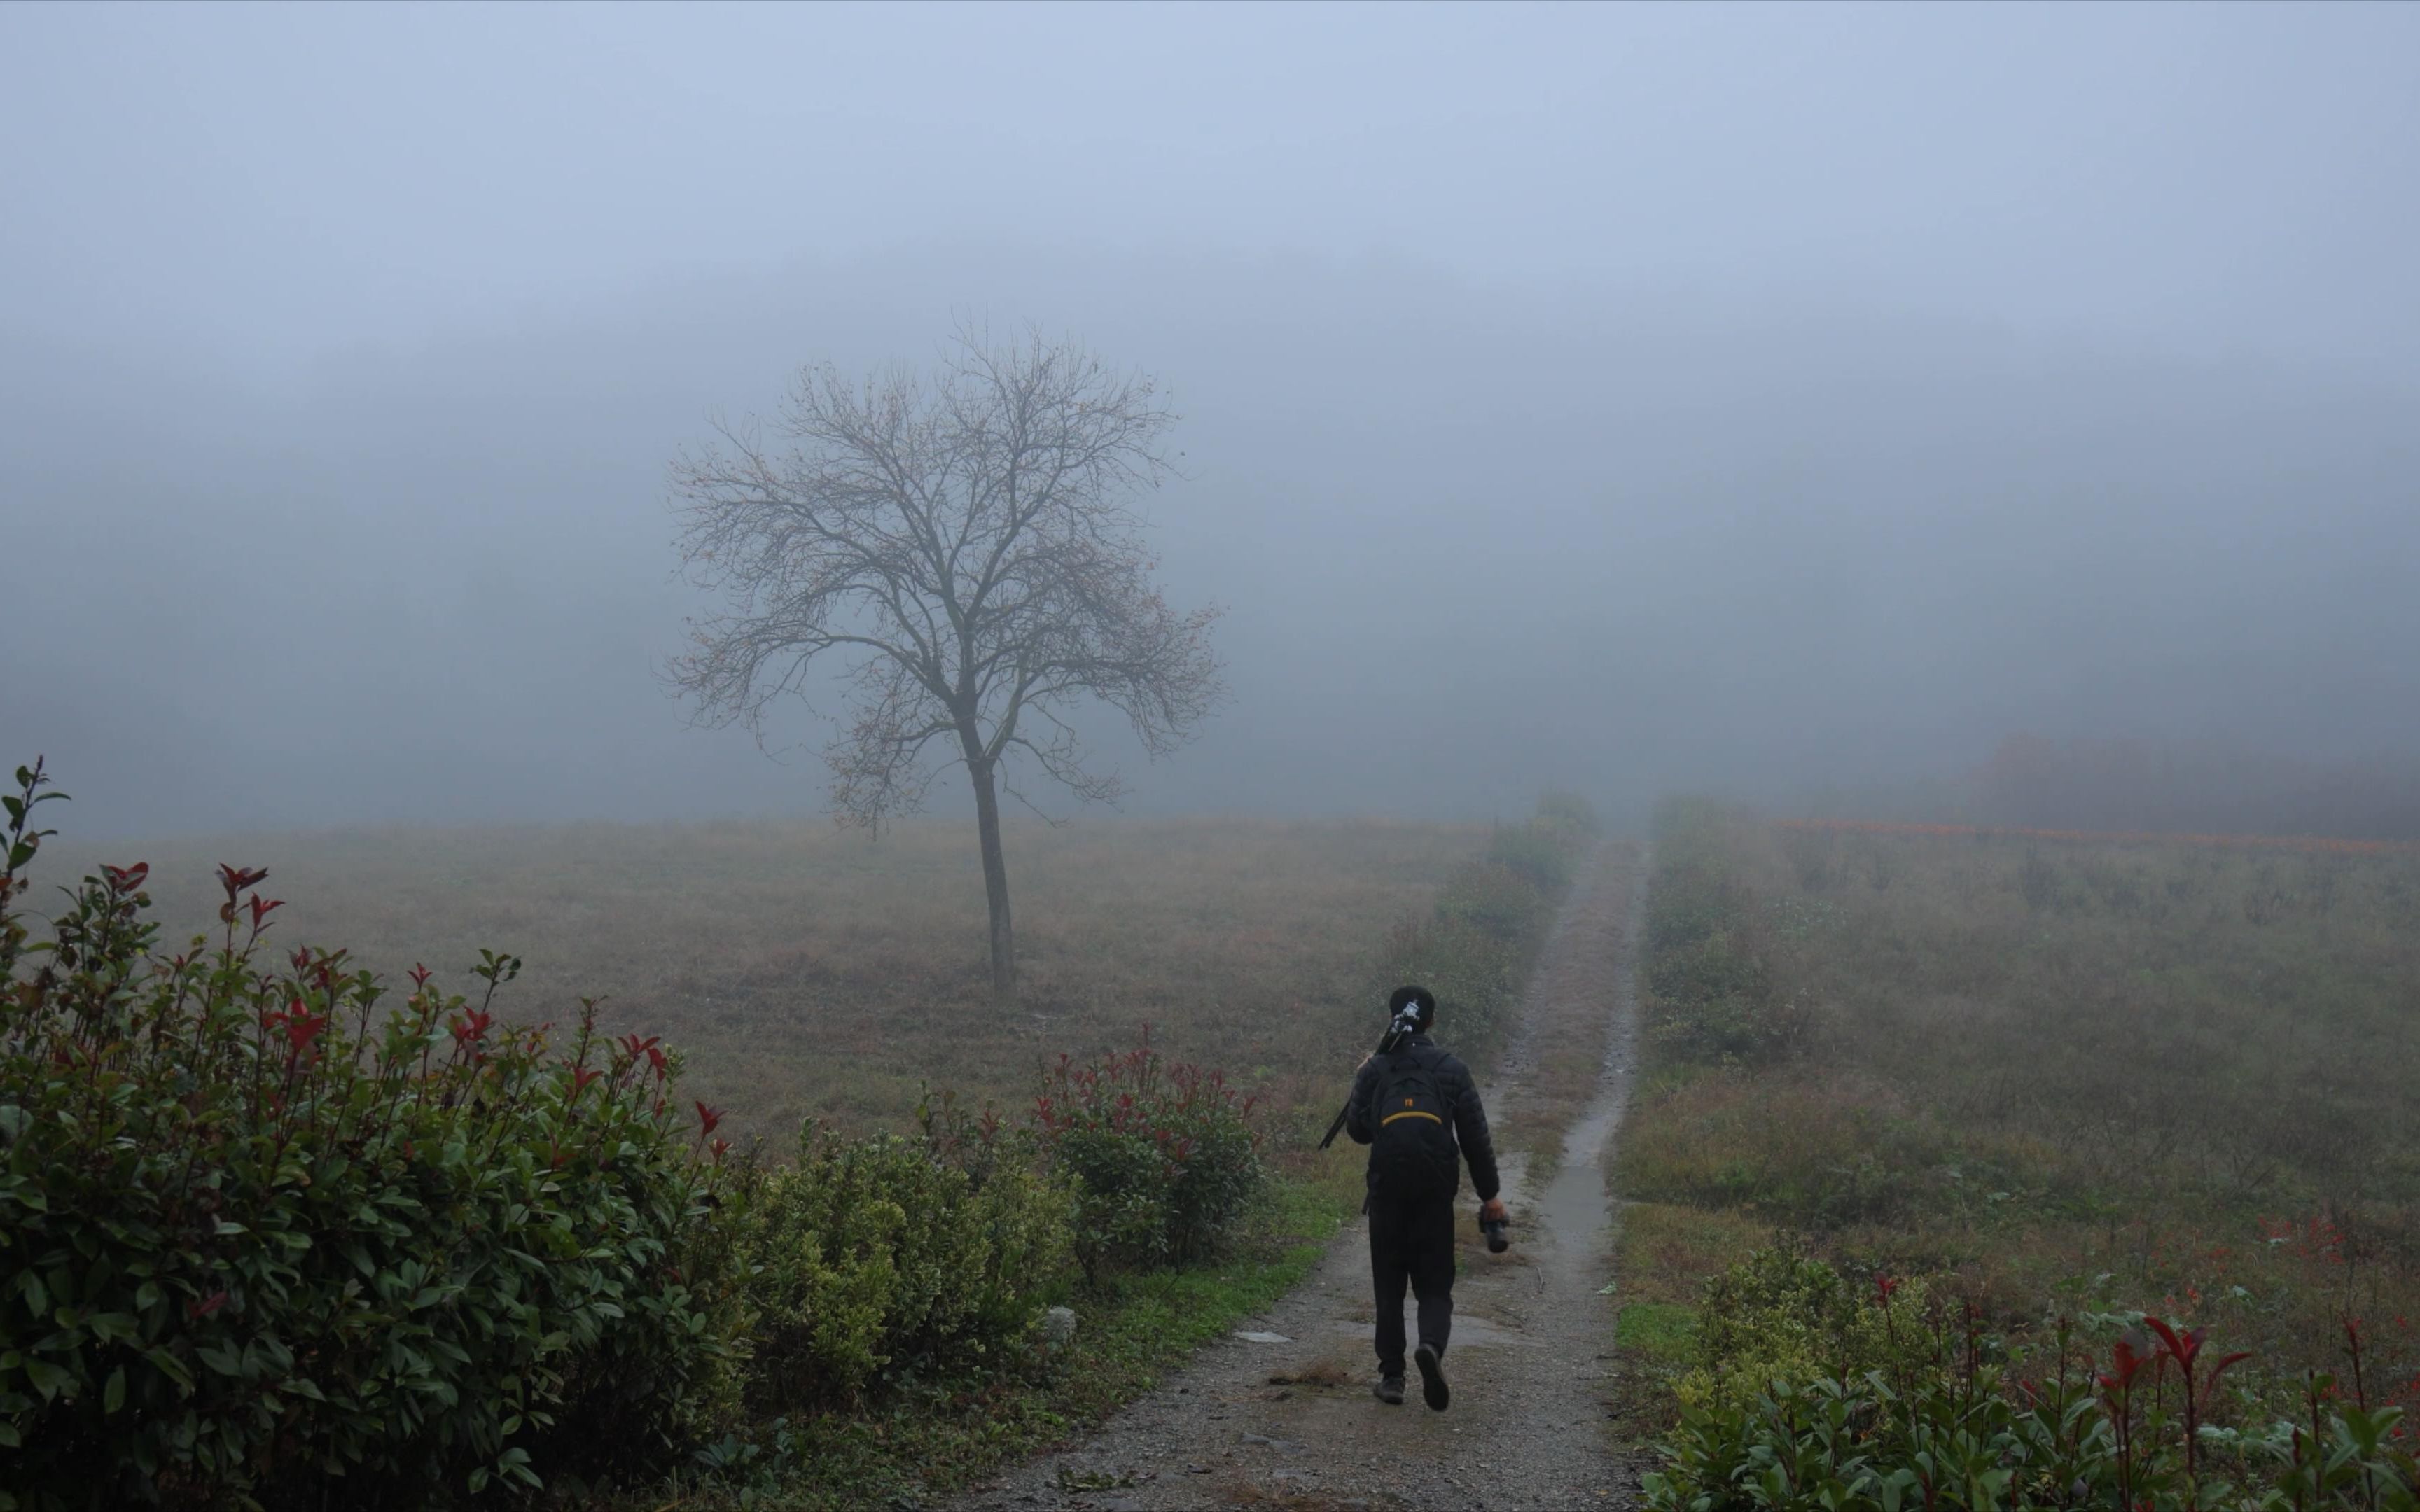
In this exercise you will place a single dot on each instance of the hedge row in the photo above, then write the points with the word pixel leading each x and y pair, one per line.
pixel 260 1224
pixel 263 1223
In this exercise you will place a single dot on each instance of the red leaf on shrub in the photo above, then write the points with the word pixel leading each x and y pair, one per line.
pixel 581 1077
pixel 301 1025
pixel 419 975
pixel 656 1059
pixel 706 1119
pixel 127 878
pixel 2182 1349
pixel 472 1026
pixel 721 1147
pixel 2126 1362
pixel 235 878
pixel 261 909
pixel 207 1305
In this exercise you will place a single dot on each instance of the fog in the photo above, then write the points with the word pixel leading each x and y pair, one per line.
pixel 1779 400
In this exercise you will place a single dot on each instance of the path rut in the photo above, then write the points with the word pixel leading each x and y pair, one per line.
pixel 1256 1425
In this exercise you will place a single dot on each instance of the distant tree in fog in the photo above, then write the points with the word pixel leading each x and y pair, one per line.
pixel 960 545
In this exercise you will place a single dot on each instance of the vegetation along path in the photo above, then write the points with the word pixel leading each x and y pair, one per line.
pixel 1287 1420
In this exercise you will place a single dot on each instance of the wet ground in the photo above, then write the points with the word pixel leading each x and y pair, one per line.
pixel 1290 1421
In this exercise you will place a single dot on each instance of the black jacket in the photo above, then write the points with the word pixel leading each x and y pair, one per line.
pixel 1460 1092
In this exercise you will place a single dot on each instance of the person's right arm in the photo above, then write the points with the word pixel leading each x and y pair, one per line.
pixel 1358 1122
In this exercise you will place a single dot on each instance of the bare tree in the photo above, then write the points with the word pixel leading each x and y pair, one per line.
pixel 961 548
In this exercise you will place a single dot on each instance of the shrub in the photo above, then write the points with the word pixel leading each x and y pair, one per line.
pixel 1164 1157
pixel 882 1255
pixel 255 1233
pixel 1783 1315
pixel 1493 900
pixel 1976 1425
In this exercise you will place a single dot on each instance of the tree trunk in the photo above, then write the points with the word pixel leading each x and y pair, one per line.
pixel 995 865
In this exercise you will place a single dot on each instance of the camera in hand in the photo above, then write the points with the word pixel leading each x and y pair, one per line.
pixel 1499 1234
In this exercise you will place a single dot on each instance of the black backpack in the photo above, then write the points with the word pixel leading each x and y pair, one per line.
pixel 1412 1152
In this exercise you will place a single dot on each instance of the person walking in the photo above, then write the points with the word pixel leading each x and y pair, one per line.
pixel 1418 1110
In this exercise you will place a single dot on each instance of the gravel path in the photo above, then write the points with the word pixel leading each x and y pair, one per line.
pixel 1293 1424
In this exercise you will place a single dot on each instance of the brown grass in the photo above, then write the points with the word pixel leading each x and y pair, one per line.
pixel 2119 1076
pixel 813 972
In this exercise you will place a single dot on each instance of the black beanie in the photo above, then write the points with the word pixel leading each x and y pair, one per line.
pixel 1425 1000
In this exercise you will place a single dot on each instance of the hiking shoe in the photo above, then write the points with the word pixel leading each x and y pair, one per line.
pixel 1433 1388
pixel 1389 1390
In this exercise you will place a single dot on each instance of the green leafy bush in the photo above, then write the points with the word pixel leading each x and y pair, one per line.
pixel 258 1227
pixel 1979 1425
pixel 1164 1157
pixel 881 1254
pixel 1782 1315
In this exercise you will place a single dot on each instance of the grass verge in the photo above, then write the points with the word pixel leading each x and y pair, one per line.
pixel 2058 1078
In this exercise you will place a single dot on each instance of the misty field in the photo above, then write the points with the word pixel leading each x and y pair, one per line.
pixel 808 971
pixel 2064 1078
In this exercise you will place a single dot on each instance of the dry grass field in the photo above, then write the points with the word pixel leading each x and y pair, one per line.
pixel 2071 1074
pixel 808 971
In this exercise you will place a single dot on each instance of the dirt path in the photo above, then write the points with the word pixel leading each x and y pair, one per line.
pixel 1293 1424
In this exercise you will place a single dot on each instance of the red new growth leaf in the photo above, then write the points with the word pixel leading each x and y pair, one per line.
pixel 420 975
pixel 2179 1348
pixel 721 1147
pixel 235 879
pixel 261 909
pixel 207 1305
pixel 2126 1362
pixel 470 1027
pixel 581 1077
pixel 706 1119
pixel 301 1025
pixel 127 878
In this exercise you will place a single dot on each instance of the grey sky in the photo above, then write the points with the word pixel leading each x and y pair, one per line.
pixel 270 181
pixel 1621 395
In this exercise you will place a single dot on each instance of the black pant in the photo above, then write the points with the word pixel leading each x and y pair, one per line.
pixel 1411 1241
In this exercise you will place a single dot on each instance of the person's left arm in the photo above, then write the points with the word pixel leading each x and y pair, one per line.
pixel 1470 1131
